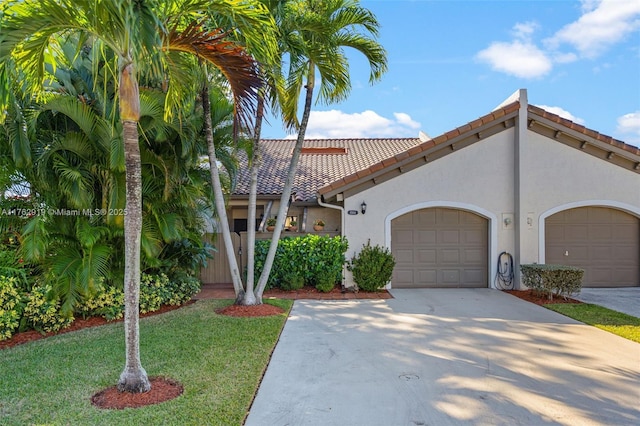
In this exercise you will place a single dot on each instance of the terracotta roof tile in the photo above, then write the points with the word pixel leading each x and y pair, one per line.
pixel 582 129
pixel 327 163
pixel 329 172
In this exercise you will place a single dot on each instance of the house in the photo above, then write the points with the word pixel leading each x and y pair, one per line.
pixel 519 184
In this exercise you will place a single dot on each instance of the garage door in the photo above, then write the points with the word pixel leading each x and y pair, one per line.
pixel 439 247
pixel 604 242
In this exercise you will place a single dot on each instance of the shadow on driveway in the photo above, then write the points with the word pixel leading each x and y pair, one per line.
pixel 445 357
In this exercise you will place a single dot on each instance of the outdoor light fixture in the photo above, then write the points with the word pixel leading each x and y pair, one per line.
pixel 363 207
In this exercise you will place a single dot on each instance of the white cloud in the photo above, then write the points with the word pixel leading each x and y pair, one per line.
pixel 562 113
pixel 519 58
pixel 368 124
pixel 602 24
pixel 629 124
pixel 524 30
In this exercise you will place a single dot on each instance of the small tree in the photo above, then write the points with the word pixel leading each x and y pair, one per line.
pixel 372 267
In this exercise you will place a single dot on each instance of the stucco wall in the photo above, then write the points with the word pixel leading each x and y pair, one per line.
pixel 559 177
pixel 478 178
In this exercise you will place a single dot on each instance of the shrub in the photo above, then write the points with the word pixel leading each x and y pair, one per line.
pixel 107 303
pixel 317 259
pixel 10 306
pixel 181 288
pixel 42 314
pixel 154 291
pixel 552 279
pixel 372 267
pixel 291 280
pixel 325 283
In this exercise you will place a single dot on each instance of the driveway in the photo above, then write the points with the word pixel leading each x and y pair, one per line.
pixel 445 357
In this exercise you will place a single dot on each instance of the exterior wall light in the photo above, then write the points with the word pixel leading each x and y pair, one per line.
pixel 363 207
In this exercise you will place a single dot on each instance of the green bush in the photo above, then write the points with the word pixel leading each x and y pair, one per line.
pixel 291 280
pixel 154 291
pixel 560 280
pixel 42 314
pixel 107 303
pixel 317 259
pixel 10 306
pixel 372 267
pixel 157 290
pixel 181 288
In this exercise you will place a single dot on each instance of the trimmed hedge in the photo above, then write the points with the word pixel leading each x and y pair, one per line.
pixel 552 280
pixel 318 260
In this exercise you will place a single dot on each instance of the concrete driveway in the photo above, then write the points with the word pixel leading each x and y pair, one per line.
pixel 445 357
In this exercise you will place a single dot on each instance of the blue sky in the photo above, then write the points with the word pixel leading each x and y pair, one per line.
pixel 451 62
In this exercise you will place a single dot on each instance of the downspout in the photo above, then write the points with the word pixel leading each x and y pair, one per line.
pixel 342 225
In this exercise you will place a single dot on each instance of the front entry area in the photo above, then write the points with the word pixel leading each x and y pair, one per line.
pixel 440 247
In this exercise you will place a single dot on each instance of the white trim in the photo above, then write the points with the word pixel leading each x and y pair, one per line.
pixel 634 210
pixel 490 216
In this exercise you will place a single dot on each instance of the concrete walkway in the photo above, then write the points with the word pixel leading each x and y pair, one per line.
pixel 445 357
pixel 624 299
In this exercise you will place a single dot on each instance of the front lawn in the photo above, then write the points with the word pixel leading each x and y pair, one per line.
pixel 218 359
pixel 614 322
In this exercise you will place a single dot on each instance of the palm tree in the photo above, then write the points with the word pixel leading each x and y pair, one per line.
pixel 315 34
pixel 135 33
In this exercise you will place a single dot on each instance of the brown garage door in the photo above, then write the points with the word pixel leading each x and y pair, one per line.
pixel 604 242
pixel 439 247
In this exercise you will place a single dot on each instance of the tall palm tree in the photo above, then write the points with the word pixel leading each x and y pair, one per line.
pixel 135 32
pixel 315 36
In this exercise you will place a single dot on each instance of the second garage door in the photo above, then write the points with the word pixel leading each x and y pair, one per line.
pixel 440 247
pixel 604 242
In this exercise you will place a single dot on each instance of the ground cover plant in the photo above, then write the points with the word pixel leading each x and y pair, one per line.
pixel 51 381
pixel 619 323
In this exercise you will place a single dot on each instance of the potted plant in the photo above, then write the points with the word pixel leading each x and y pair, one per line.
pixel 271 224
pixel 293 226
pixel 318 225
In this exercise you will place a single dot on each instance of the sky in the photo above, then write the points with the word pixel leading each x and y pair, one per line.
pixel 452 61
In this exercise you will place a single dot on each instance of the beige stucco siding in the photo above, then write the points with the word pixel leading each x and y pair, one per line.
pixel 481 177
pixel 478 178
pixel 558 177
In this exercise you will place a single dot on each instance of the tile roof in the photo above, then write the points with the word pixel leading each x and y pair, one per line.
pixel 583 130
pixel 419 150
pixel 369 159
pixel 319 166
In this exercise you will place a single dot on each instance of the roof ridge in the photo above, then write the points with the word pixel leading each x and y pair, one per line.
pixel 583 129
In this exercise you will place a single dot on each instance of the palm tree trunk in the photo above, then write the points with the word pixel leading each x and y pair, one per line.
pixel 249 297
pixel 286 191
pixel 134 378
pixel 219 196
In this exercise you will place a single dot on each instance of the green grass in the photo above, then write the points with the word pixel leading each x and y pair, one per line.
pixel 614 322
pixel 218 359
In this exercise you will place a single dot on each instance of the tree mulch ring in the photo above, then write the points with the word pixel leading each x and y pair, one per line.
pixel 539 298
pixel 262 310
pixel 162 389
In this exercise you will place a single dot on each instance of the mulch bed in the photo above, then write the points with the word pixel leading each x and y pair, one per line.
pixel 540 299
pixel 162 389
pixel 250 311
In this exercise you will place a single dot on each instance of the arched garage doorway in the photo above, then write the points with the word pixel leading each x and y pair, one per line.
pixel 603 241
pixel 440 247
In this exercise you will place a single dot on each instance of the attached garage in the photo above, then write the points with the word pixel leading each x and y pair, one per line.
pixel 440 247
pixel 605 242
